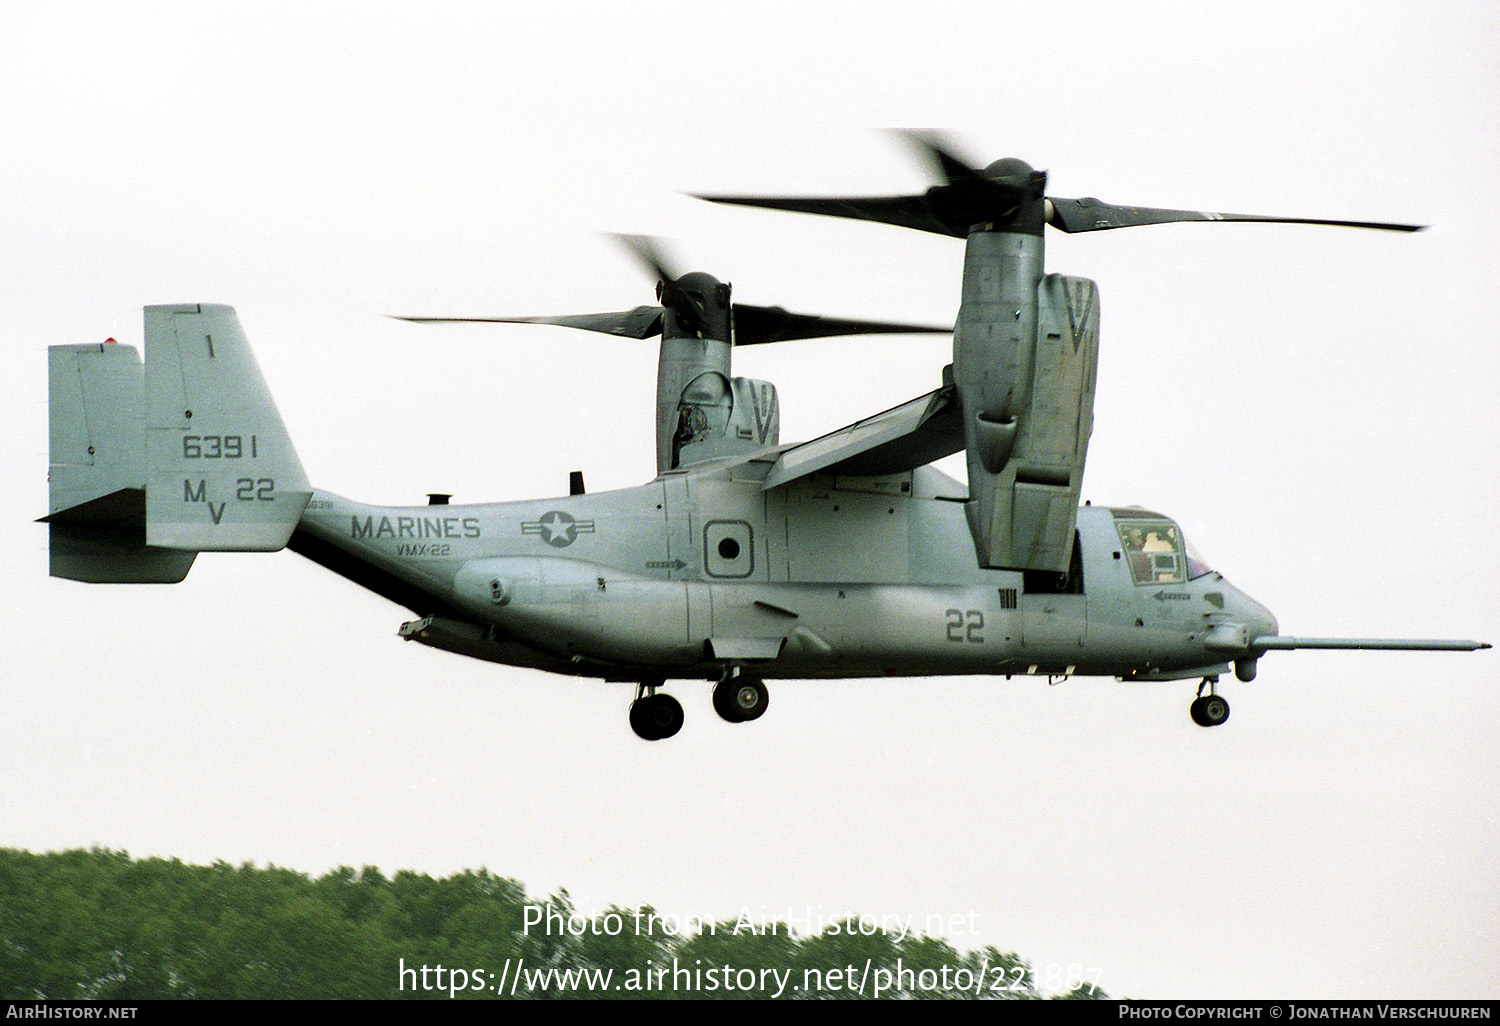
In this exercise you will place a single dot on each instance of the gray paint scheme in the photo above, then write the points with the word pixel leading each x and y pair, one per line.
pixel 846 578
pixel 708 568
pixel 768 562
pixel 221 473
pixel 846 556
pixel 96 477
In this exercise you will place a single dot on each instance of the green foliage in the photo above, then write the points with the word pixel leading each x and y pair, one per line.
pixel 99 925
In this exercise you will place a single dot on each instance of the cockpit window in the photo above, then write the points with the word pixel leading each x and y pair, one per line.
pixel 1156 550
pixel 1197 567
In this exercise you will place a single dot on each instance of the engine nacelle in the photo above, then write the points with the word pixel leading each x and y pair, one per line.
pixel 1025 370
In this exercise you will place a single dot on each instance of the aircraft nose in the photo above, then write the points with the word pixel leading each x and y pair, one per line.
pixel 1243 620
pixel 1260 620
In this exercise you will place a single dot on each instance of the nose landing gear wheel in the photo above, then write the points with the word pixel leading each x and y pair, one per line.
pixel 740 699
pixel 655 717
pixel 1209 710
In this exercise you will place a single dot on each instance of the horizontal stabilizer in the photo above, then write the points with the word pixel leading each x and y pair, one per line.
pixel 113 556
pixel 221 471
pixel 115 511
pixel 103 541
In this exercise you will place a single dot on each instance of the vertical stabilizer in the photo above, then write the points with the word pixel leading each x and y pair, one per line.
pixel 94 423
pixel 97 475
pixel 221 473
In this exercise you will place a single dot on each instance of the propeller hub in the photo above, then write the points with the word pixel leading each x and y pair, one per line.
pixel 1007 195
pixel 697 305
pixel 1010 170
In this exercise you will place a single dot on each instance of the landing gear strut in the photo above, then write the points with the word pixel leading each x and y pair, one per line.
pixel 1208 710
pixel 739 699
pixel 654 717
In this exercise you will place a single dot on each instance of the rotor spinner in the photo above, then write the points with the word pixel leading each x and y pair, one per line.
pixel 695 305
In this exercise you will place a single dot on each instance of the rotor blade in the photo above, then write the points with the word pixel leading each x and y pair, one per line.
pixel 647 251
pixel 754 325
pixel 642 322
pixel 687 302
pixel 902 211
pixel 1092 215
pixel 939 153
pixel 967 197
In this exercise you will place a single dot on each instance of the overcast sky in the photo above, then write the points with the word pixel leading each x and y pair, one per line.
pixel 1317 407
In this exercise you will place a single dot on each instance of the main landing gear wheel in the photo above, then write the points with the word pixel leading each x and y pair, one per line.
pixel 655 717
pixel 1209 710
pixel 740 699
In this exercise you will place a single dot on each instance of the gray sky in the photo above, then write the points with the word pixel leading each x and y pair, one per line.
pixel 1316 407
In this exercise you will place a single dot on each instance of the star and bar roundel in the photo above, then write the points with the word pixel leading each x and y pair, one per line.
pixel 557 528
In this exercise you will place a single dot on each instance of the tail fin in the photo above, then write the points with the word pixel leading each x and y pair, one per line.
pixel 150 467
pixel 221 473
pixel 96 482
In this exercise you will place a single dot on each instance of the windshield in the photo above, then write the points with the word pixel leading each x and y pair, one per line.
pixel 1155 549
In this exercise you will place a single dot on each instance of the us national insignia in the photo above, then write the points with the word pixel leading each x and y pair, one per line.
pixel 557 528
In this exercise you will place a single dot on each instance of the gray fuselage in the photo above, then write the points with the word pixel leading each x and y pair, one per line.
pixel 825 577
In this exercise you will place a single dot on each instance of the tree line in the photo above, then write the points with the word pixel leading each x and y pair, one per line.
pixel 100 925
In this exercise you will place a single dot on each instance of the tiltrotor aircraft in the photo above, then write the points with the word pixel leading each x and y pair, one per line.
pixel 745 559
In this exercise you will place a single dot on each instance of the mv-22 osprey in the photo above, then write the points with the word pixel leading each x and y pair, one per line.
pixel 846 556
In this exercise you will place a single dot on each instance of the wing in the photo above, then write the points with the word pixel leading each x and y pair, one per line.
pixel 900 439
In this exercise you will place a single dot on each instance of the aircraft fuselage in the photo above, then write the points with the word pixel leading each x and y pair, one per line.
pixel 703 569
